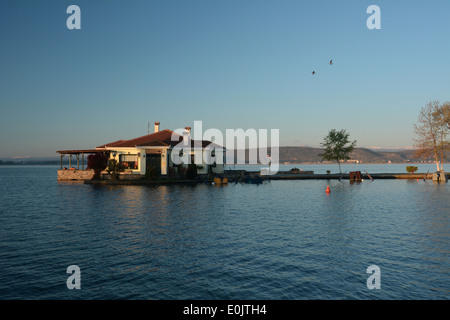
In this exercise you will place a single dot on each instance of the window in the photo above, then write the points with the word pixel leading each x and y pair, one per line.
pixel 129 161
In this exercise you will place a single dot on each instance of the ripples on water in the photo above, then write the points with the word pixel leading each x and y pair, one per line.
pixel 280 240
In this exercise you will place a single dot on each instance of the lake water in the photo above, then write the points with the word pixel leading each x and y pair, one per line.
pixel 281 240
pixel 346 167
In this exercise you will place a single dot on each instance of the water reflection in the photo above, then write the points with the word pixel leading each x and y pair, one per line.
pixel 168 234
pixel 280 240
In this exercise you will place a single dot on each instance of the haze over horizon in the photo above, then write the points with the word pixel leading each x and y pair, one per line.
pixel 231 64
pixel 57 157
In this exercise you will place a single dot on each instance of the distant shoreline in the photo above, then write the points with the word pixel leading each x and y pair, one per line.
pixel 332 163
pixel 58 163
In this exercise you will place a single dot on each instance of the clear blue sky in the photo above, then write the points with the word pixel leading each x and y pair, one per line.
pixel 230 63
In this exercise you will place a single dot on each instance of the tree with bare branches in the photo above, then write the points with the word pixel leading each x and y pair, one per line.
pixel 432 130
pixel 446 114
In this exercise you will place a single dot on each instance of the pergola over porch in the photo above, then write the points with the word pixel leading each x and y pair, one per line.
pixel 77 153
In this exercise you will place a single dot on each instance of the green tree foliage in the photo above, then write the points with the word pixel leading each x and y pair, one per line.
pixel 411 169
pixel 114 168
pixel 337 146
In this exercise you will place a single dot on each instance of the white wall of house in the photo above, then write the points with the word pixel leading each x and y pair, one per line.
pixel 166 160
pixel 142 161
pixel 129 152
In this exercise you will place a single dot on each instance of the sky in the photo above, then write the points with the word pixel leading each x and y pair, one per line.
pixel 232 64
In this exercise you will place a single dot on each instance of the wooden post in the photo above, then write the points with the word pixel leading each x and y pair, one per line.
pixel 369 175
pixel 78 161
pixel 61 155
pixel 82 161
pixel 70 161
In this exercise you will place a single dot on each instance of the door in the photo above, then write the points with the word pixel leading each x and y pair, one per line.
pixel 153 162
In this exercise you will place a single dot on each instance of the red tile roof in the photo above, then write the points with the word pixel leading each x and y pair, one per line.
pixel 110 144
pixel 158 139
pixel 163 136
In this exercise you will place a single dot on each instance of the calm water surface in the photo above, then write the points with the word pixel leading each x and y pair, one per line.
pixel 280 240
pixel 347 167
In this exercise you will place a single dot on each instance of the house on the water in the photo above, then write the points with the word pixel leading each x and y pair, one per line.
pixel 153 151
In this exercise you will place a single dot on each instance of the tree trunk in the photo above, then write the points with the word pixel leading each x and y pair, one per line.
pixel 339 166
pixel 437 158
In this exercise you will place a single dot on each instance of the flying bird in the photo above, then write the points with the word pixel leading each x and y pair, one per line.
pixel 313 73
pixel 331 62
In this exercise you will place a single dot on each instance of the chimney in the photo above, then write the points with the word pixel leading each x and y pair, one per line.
pixel 156 126
pixel 186 138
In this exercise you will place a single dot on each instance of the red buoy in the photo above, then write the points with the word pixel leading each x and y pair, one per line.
pixel 328 189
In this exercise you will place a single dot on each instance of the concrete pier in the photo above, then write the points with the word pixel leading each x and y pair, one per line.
pixel 233 176
pixel 375 176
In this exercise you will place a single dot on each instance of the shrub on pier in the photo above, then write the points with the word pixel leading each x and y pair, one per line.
pixel 114 168
pixel 191 172
pixel 97 162
pixel 411 169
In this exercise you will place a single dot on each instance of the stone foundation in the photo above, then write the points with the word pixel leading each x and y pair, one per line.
pixel 122 176
pixel 75 175
pixel 80 175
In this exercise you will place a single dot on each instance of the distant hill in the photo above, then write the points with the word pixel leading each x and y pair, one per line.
pixel 312 155
pixel 287 154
